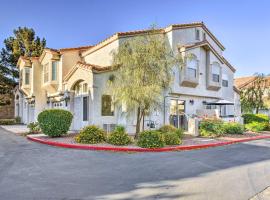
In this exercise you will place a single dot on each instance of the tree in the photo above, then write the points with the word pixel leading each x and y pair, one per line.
pixel 23 43
pixel 143 67
pixel 253 95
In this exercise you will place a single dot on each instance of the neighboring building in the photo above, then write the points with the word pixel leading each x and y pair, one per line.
pixel 76 78
pixel 243 83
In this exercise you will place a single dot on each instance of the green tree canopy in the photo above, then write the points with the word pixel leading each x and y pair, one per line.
pixel 143 67
pixel 23 43
pixel 253 96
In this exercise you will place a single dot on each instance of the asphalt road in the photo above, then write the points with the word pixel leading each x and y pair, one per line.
pixel 30 170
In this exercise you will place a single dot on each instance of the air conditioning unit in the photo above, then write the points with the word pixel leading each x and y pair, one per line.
pixel 108 128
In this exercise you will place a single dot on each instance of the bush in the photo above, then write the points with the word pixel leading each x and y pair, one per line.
pixel 119 136
pixel 7 121
pixel 211 127
pixel 33 127
pixel 18 120
pixel 55 122
pixel 171 138
pixel 170 128
pixel 151 139
pixel 249 118
pixel 233 128
pixel 257 126
pixel 91 135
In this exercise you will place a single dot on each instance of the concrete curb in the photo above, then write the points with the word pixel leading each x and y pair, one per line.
pixel 137 149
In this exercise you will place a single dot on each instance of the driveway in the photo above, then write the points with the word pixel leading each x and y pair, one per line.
pixel 34 171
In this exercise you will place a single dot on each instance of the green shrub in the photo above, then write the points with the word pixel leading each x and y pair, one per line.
pixel 170 128
pixel 55 122
pixel 151 139
pixel 7 121
pixel 171 138
pixel 91 135
pixel 211 127
pixel 257 126
pixel 248 118
pixel 119 136
pixel 233 128
pixel 33 127
pixel 18 120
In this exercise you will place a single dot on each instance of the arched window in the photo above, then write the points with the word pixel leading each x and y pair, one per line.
pixel 192 67
pixel 216 72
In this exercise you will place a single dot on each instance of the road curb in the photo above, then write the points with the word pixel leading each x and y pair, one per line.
pixel 135 149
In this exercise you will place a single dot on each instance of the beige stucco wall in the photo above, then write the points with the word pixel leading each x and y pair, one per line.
pixel 103 56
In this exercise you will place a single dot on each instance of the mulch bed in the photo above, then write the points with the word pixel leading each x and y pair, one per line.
pixel 187 140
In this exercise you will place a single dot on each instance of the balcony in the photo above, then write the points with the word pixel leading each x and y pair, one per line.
pixel 214 77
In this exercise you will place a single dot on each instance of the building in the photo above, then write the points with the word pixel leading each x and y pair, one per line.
pixel 75 79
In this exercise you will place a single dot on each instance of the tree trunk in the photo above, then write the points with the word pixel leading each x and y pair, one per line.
pixel 257 110
pixel 138 123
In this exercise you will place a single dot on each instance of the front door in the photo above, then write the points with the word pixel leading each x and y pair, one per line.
pixel 177 113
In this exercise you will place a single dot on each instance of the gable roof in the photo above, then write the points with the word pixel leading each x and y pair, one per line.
pixel 167 29
pixel 206 44
pixel 89 67
pixel 242 82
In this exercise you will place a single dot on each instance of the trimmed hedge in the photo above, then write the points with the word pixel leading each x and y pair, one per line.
pixel 119 136
pixel 257 126
pixel 55 122
pixel 91 135
pixel 171 138
pixel 249 118
pixel 233 128
pixel 211 127
pixel 151 139
pixel 7 121
pixel 170 128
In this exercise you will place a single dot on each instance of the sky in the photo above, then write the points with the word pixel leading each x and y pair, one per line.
pixel 243 27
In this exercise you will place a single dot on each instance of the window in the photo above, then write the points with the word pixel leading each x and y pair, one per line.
pixel 192 67
pixel 54 70
pixel 225 81
pixel 45 73
pixel 27 76
pixel 85 88
pixel 197 34
pixel 77 89
pixel 204 36
pixel 85 108
pixel 107 106
pixel 215 72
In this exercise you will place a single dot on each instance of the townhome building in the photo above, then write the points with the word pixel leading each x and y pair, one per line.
pixel 76 79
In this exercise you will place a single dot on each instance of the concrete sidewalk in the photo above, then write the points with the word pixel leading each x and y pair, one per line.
pixel 18 129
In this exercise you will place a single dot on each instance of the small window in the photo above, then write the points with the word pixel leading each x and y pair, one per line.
pixel 225 81
pixel 27 76
pixel 45 73
pixel 215 72
pixel 54 70
pixel 192 67
pixel 197 34
pixel 204 36
pixel 85 108
pixel 107 106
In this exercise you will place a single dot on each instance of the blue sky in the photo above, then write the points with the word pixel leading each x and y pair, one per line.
pixel 242 26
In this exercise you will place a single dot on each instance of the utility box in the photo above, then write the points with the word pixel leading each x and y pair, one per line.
pixel 193 126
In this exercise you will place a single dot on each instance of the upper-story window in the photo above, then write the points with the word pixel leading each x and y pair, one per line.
pixel 204 36
pixel 27 76
pixel 197 34
pixel 107 108
pixel 46 73
pixel 54 70
pixel 225 80
pixel 215 72
pixel 192 67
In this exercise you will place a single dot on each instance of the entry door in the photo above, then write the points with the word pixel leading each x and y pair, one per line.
pixel 177 113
